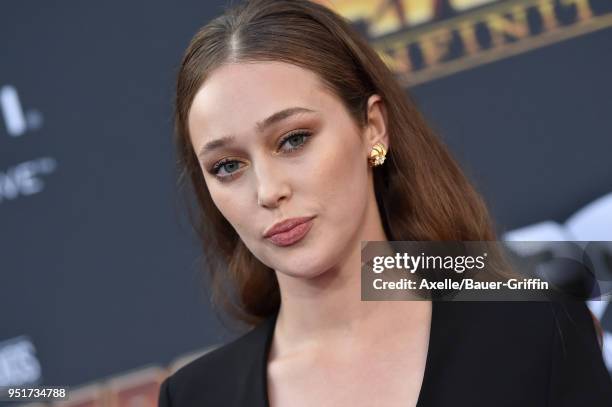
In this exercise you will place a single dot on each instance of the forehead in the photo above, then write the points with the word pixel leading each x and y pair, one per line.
pixel 236 96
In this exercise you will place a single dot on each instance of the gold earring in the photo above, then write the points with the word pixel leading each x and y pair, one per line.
pixel 377 155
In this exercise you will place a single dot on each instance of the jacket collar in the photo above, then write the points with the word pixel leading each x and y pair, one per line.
pixel 255 383
pixel 254 386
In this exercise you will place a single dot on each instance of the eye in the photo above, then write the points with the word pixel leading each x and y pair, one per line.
pixel 295 140
pixel 230 166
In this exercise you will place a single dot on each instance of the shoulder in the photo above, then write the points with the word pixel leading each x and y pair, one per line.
pixel 522 323
pixel 579 375
pixel 227 356
pixel 538 315
pixel 550 345
pixel 523 335
pixel 213 378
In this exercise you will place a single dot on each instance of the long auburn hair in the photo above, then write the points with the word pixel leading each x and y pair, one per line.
pixel 421 190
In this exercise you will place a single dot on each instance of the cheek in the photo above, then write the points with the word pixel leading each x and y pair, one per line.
pixel 339 177
pixel 228 202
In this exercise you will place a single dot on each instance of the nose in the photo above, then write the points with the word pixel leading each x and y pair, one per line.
pixel 272 186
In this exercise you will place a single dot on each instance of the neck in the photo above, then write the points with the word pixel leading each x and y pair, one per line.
pixel 329 305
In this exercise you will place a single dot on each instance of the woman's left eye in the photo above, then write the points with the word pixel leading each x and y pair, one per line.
pixel 295 140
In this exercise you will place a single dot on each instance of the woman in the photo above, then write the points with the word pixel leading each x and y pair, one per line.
pixel 299 144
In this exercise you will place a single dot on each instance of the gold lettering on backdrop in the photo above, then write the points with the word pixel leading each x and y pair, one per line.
pixel 501 25
pixel 390 15
pixel 462 5
pixel 547 13
pixel 397 59
pixel 421 40
pixel 435 45
pixel 467 34
pixel 386 16
pixel 583 8
pixel 402 57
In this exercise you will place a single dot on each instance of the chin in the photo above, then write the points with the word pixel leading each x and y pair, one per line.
pixel 297 269
pixel 305 265
pixel 301 274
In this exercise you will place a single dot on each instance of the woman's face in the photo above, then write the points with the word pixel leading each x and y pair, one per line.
pixel 310 160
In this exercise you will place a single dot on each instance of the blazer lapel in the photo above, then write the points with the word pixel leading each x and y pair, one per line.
pixel 252 378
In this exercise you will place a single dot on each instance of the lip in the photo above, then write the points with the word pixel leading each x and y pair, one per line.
pixel 289 231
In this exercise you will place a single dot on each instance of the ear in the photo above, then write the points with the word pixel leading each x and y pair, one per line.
pixel 376 126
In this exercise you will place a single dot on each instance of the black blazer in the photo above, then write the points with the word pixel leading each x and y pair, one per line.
pixel 480 354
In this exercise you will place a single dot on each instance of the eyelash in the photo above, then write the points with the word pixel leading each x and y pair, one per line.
pixel 216 167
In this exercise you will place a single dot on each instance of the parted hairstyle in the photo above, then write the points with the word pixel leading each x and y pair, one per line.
pixel 421 190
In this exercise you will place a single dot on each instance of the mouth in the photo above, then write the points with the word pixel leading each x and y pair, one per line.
pixel 289 232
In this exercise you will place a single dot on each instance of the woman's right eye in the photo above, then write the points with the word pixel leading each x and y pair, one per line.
pixel 229 166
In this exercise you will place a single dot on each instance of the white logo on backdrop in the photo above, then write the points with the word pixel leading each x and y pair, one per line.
pixel 24 178
pixel 591 223
pixel 16 120
pixel 18 362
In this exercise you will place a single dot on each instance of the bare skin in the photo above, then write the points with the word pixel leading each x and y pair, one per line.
pixel 329 348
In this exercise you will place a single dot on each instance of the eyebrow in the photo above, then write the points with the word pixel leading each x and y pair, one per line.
pixel 260 126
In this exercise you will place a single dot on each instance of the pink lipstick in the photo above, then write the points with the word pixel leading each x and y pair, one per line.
pixel 289 231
